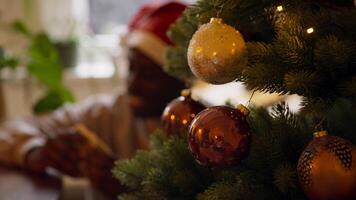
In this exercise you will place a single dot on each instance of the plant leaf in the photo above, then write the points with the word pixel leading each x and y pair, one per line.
pixel 20 27
pixel 52 100
pixel 44 62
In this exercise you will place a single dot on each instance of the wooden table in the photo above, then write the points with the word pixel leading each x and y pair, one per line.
pixel 16 185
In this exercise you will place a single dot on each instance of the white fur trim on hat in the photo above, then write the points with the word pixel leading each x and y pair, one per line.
pixel 151 45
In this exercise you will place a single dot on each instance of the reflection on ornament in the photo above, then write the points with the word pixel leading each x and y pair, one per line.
pixel 327 168
pixel 216 51
pixel 219 136
pixel 179 113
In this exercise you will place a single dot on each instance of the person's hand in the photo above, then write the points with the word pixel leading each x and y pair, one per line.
pixel 64 152
pixel 61 151
pixel 98 168
pixel 78 152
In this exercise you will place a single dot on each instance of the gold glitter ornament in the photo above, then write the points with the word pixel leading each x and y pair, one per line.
pixel 327 168
pixel 216 51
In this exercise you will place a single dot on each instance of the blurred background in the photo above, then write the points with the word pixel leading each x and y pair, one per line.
pixel 87 35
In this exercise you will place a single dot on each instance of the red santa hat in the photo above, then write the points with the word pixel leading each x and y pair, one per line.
pixel 148 28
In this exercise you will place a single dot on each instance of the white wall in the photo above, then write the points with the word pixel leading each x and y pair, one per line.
pixel 11 10
pixel 63 19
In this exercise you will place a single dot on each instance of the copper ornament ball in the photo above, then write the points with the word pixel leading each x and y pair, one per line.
pixel 219 137
pixel 327 168
pixel 179 113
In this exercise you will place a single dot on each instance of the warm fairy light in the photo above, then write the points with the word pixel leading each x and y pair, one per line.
pixel 279 8
pixel 173 117
pixel 185 121
pixel 310 30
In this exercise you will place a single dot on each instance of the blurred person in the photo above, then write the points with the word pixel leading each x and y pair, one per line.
pixel 84 139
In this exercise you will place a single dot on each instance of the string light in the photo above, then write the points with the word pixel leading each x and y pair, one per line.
pixel 279 8
pixel 310 30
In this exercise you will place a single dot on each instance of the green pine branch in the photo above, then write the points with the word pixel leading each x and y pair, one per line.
pixel 169 171
pixel 285 56
pixel 319 65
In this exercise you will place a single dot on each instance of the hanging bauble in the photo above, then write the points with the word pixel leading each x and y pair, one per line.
pixel 327 168
pixel 179 113
pixel 220 136
pixel 216 51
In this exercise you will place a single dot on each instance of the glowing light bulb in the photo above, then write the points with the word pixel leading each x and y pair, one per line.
pixel 279 8
pixel 310 30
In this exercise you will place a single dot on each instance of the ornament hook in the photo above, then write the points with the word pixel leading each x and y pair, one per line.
pixel 250 99
pixel 319 126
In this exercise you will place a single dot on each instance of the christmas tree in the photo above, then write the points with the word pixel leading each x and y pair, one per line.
pixel 303 47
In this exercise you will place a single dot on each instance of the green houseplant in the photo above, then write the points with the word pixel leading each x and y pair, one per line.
pixel 43 63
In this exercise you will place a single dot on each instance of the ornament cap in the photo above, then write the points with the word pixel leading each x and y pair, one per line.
pixel 243 109
pixel 186 93
pixel 320 134
pixel 216 20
